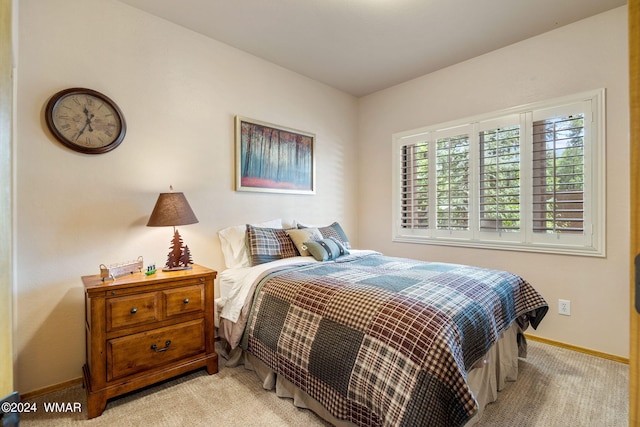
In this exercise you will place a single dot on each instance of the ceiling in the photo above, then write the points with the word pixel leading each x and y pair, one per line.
pixel 362 46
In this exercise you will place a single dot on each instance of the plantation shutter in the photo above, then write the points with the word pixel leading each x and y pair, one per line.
pixel 499 183
pixel 452 175
pixel 558 174
pixel 414 172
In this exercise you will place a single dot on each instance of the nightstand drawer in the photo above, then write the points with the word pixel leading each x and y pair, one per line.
pixel 132 310
pixel 184 300
pixel 141 352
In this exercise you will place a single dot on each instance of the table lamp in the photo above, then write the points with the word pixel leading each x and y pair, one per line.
pixel 172 209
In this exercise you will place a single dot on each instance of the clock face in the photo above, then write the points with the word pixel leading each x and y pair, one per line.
pixel 85 120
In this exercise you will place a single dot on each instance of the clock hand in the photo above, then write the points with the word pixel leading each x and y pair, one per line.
pixel 82 130
pixel 86 123
pixel 89 119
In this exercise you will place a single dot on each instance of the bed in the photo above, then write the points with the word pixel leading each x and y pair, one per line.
pixel 366 339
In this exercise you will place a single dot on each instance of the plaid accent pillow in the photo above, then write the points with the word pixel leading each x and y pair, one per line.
pixel 268 244
pixel 334 230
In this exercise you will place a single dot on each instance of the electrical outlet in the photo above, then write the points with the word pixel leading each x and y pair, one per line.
pixel 564 307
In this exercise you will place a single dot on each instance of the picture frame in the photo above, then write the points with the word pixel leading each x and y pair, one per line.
pixel 273 159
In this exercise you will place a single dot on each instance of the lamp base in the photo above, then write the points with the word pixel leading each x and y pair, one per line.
pixel 179 258
pixel 182 267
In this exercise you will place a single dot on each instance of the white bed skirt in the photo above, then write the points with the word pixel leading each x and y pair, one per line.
pixel 486 378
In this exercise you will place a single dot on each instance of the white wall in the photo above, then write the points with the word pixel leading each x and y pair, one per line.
pixel 587 55
pixel 179 92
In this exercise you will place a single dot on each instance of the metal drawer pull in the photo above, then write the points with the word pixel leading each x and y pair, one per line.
pixel 155 348
pixel 134 310
pixel 186 300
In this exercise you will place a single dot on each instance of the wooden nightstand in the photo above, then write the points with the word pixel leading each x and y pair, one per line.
pixel 144 329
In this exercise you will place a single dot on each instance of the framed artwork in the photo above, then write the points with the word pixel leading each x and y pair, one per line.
pixel 274 159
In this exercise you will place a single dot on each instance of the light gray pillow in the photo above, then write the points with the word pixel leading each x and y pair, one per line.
pixel 334 230
pixel 302 235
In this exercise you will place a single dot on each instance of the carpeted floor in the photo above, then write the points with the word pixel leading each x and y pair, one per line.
pixel 559 387
pixel 556 387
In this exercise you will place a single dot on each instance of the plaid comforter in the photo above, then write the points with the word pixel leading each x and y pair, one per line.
pixel 386 341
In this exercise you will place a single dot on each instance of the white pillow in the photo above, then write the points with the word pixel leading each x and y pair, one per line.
pixel 234 242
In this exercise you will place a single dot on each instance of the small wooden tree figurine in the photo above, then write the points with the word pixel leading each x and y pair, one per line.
pixel 179 256
pixel 185 258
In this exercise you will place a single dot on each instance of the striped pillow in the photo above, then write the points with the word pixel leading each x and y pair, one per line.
pixel 268 244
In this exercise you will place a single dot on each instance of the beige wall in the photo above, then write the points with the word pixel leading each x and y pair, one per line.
pixel 587 55
pixel 179 92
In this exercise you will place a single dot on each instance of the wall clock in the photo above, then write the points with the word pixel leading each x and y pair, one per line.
pixel 85 120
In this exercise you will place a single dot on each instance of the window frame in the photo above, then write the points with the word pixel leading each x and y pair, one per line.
pixel 590 243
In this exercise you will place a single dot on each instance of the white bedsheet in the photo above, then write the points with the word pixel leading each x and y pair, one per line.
pixel 235 284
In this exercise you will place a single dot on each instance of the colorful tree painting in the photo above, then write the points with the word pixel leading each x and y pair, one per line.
pixel 274 159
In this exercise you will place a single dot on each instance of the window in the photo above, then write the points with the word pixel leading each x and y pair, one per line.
pixel 529 178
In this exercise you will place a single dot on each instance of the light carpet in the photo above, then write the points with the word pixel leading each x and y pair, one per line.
pixel 555 387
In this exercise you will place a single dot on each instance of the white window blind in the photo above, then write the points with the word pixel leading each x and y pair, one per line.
pixel 529 178
pixel 500 179
pixel 558 175
pixel 452 175
pixel 415 185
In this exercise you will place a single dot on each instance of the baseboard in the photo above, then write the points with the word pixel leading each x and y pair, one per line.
pixel 50 389
pixel 578 349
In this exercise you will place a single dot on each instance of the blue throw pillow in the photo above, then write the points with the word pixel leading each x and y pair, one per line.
pixel 325 249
